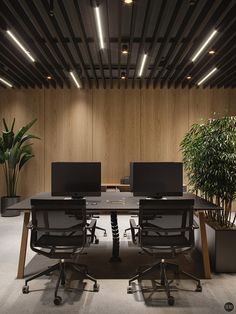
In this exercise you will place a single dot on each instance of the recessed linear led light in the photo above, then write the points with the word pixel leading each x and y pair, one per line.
pixel 204 45
pixel 207 76
pixel 75 80
pixel 5 82
pixel 20 45
pixel 189 77
pixel 142 64
pixel 99 27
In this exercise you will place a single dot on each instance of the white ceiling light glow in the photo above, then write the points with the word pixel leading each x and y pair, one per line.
pixel 13 37
pixel 99 27
pixel 206 76
pixel 142 64
pixel 204 45
pixel 5 82
pixel 75 80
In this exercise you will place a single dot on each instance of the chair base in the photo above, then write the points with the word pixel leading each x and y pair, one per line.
pixel 61 266
pixel 164 283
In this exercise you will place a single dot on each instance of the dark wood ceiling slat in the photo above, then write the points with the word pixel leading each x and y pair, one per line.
pixel 20 61
pixel 72 34
pixel 223 47
pixel 132 28
pixel 84 40
pixel 155 36
pixel 170 31
pixel 216 16
pixel 47 34
pixel 109 47
pixel 176 43
pixel 17 71
pixel 141 49
pixel 165 41
pixel 68 54
pixel 11 78
pixel 119 39
pixel 13 20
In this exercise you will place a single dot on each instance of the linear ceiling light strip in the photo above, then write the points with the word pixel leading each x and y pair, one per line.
pixel 142 65
pixel 206 76
pixel 13 37
pixel 5 82
pixel 99 27
pixel 204 45
pixel 75 80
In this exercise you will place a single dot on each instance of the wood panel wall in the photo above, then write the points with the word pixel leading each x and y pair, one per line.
pixel 114 126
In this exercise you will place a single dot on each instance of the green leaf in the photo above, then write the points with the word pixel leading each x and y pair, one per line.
pixel 8 138
pixel 23 130
pixel 24 159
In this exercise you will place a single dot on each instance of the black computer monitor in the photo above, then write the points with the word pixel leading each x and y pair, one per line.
pixel 76 179
pixel 156 179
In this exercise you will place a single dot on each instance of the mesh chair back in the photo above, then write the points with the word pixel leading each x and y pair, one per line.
pixel 166 224
pixel 58 227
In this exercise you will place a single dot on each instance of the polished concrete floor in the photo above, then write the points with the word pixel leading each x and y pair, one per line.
pixel 112 297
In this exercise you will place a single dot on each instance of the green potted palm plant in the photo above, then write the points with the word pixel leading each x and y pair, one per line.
pixel 209 156
pixel 15 151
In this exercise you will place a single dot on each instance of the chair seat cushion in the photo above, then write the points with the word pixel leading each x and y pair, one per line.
pixel 164 241
pixel 48 241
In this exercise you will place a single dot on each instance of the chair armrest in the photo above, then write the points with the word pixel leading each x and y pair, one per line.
pixel 92 224
pixel 133 227
pixel 195 225
pixel 91 227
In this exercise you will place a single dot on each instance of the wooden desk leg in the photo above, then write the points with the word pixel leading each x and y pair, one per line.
pixel 205 253
pixel 23 246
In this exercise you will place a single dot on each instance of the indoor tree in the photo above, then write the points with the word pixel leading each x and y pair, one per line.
pixel 209 156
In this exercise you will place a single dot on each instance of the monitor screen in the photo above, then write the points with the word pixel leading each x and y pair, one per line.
pixel 156 179
pixel 76 179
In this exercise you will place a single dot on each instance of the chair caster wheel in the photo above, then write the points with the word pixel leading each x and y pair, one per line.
pixel 57 300
pixel 171 300
pixel 96 241
pixel 124 235
pixel 199 288
pixel 95 287
pixel 129 290
pixel 105 234
pixel 25 289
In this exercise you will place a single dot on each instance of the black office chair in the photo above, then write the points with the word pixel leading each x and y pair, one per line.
pixel 90 217
pixel 171 232
pixel 59 231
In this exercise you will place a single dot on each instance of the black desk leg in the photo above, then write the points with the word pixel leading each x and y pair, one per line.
pixel 115 237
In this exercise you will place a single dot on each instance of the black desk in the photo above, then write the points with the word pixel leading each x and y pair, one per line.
pixel 113 203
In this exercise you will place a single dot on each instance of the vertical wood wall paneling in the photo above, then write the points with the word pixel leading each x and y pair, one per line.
pixel 164 121
pixel 25 105
pixel 114 126
pixel 68 127
pixel 116 131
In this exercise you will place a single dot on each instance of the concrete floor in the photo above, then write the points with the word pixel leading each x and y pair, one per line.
pixel 112 297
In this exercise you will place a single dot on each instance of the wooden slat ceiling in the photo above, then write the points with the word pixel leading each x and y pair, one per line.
pixel 61 35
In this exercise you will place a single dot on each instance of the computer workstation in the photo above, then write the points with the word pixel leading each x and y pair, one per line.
pixel 112 203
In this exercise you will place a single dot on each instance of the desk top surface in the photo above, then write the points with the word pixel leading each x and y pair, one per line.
pixel 114 201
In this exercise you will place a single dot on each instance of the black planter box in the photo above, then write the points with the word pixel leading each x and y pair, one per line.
pixel 221 246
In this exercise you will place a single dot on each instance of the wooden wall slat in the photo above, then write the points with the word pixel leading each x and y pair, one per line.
pixel 114 126
pixel 68 127
pixel 116 131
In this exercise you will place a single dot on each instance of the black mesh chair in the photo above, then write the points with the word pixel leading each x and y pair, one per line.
pixel 170 231
pixel 59 231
